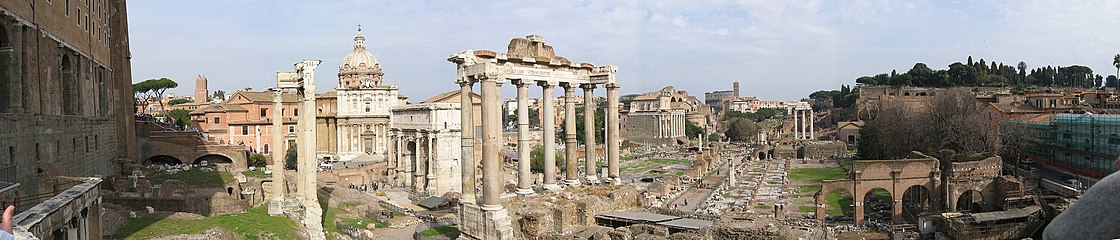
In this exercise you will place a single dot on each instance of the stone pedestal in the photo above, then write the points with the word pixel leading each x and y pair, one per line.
pixel 313 221
pixel 478 223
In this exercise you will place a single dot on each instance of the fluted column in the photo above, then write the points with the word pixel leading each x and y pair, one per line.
pixel 589 133
pixel 524 176
pixel 491 145
pixel 613 140
pixel 277 150
pixel 548 120
pixel 466 159
pixel 570 146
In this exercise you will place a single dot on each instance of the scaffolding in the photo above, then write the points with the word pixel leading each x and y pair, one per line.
pixel 1083 144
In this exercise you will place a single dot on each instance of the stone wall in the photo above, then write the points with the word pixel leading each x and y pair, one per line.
pixel 785 152
pixel 44 146
pixel 825 150
pixel 642 129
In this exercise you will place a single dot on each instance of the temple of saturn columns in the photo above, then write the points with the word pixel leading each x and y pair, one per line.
pixel 529 61
pixel 302 82
pixel 803 119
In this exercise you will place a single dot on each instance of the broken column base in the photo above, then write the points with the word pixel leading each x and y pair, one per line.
pixel 478 223
pixel 552 187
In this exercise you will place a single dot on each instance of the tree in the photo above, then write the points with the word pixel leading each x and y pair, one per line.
pixel 219 94
pixel 691 130
pixel 536 158
pixel 181 117
pixel 741 130
pixel 178 101
pixel 1022 71
pixel 291 158
pixel 154 88
pixel 257 160
pixel 949 121
pixel 1116 63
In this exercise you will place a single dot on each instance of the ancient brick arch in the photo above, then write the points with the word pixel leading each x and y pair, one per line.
pixel 188 148
pixel 973 176
pixel 895 176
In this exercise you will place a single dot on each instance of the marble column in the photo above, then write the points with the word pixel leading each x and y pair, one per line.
pixel 570 145
pixel 589 107
pixel 613 138
pixel 548 122
pixel 431 162
pixel 812 131
pixel 491 145
pixel 466 123
pixel 524 174
pixel 796 124
pixel 804 124
pixel 277 150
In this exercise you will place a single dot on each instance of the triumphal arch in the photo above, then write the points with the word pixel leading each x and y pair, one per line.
pixel 528 61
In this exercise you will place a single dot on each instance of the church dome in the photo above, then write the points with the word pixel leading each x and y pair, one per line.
pixel 359 67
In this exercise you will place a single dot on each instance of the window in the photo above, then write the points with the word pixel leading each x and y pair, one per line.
pixel 95 146
pixel 74 143
pixel 264 112
pixel 244 130
pixel 217 120
pixel 291 129
pixel 67 8
pixel 79 18
pixel 11 155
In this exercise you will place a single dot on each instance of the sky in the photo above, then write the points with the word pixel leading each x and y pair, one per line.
pixel 777 50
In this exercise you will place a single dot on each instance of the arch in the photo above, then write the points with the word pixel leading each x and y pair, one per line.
pixel 876 170
pixel 877 205
pixel 761 155
pixel 68 75
pixel 970 201
pixel 6 80
pixel 916 199
pixel 162 159
pixel 214 159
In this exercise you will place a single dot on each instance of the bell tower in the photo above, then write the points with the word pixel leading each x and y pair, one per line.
pixel 200 92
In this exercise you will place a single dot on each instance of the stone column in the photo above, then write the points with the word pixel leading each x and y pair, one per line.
pixel 794 113
pixel 613 138
pixel 570 145
pixel 466 159
pixel 277 148
pixel 548 122
pixel 589 107
pixel 431 162
pixel 491 145
pixel 524 176
pixel 812 131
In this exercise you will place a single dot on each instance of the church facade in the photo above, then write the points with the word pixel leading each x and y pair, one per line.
pixel 363 106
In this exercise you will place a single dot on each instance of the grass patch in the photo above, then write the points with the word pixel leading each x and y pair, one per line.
pixel 666 161
pixel 810 188
pixel 841 203
pixel 256 174
pixel 439 231
pixel 249 225
pixel 762 206
pixel 195 178
pixel 818 174
pixel 806 209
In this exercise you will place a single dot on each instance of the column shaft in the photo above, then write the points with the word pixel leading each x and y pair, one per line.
pixel 524 174
pixel 812 131
pixel 466 159
pixel 589 108
pixel 613 139
pixel 431 163
pixel 277 150
pixel 570 145
pixel 548 119
pixel 491 145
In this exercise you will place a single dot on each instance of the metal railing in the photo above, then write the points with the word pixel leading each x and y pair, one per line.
pixel 8 173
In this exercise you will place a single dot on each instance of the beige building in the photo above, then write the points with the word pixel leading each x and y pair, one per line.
pixel 66 105
pixel 364 103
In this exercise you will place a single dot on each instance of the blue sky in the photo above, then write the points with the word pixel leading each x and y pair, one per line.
pixel 779 50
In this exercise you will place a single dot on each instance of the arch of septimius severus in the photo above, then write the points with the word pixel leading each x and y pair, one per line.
pixel 529 61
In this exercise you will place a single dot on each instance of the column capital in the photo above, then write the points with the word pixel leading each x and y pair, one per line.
pixel 464 81
pixel 546 84
pixel 567 85
pixel 520 82
pixel 612 85
pixel 587 86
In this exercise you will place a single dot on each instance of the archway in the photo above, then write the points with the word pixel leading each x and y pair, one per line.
pixel 414 161
pixel 68 74
pixel 915 200
pixel 6 79
pixel 162 159
pixel 970 201
pixel 221 162
pixel 877 205
pixel 761 155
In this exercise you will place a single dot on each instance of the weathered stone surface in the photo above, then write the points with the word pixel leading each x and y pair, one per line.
pixel 825 150
pixel 622 233
pixel 172 188
pixel 639 229
pixel 535 224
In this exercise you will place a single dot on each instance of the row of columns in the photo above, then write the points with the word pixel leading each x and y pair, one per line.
pixel 803 124
pixel 352 141
pixel 422 158
pixel 491 137
pixel 671 125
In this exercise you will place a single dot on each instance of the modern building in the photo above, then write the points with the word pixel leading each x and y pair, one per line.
pixel 246 119
pixel 66 101
pixel 1082 146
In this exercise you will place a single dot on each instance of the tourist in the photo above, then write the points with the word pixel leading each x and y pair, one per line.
pixel 6 224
